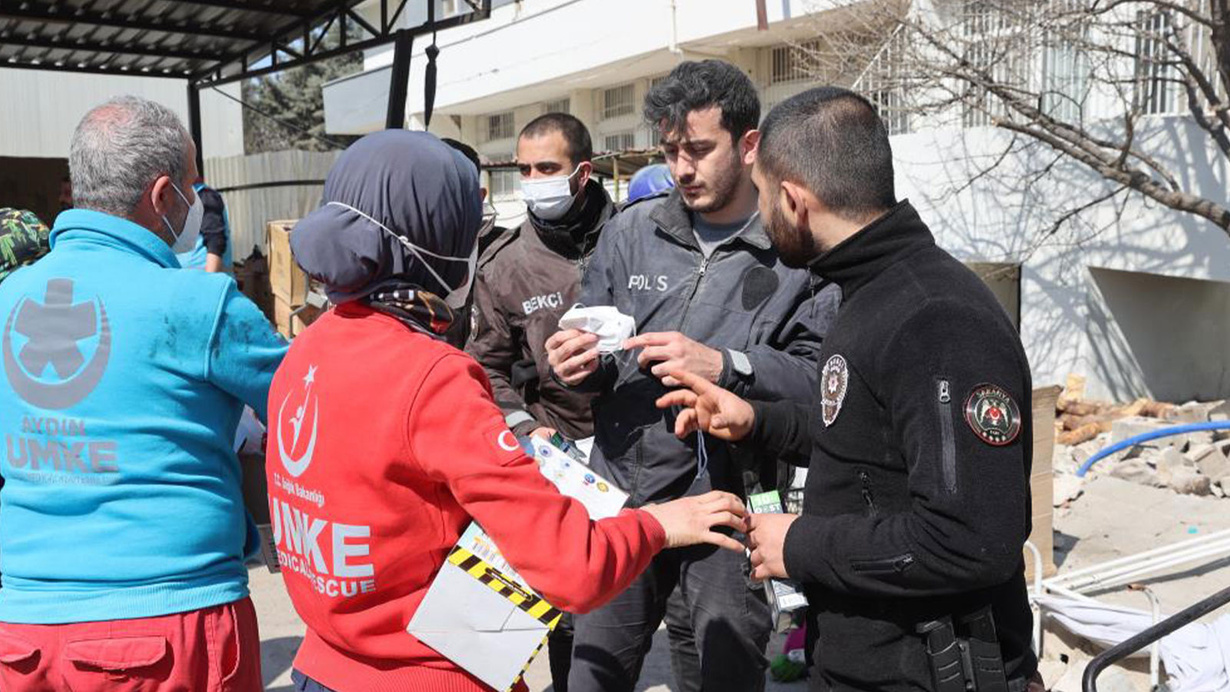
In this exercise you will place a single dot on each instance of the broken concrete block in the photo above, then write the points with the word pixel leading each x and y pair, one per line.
pixel 1126 428
pixel 1082 452
pixel 1193 412
pixel 1200 412
pixel 1066 488
pixel 1221 412
pixel 1199 438
pixel 1170 461
pixel 1186 481
pixel 1133 470
pixel 1211 460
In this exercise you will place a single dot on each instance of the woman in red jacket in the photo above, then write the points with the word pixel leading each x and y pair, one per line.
pixel 390 444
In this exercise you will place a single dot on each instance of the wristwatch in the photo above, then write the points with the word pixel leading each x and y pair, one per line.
pixel 740 363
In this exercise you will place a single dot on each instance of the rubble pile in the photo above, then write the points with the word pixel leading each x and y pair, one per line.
pixel 1193 463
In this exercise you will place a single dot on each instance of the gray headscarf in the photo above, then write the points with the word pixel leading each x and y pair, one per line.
pixel 417 187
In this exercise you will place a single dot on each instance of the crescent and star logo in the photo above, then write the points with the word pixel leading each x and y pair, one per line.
pixel 993 415
pixel 508 441
pixel 296 465
pixel 54 332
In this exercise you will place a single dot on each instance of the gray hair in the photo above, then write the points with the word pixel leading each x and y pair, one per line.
pixel 122 146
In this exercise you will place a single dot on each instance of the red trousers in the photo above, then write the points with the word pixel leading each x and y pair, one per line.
pixel 209 650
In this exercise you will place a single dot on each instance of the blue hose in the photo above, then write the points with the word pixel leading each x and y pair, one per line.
pixel 1152 435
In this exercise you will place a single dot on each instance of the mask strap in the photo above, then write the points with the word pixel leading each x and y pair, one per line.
pixel 414 249
pixel 168 221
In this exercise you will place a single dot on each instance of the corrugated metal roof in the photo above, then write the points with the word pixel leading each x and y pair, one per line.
pixel 173 38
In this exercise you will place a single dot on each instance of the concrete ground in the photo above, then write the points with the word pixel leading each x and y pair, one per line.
pixel 281 632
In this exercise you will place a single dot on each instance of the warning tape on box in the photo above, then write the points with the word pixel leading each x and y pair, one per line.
pixel 531 603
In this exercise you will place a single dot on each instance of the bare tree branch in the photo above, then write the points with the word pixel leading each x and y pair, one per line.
pixel 1099 8
pixel 1137 180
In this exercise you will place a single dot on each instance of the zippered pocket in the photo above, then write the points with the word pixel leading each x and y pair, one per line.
pixel 948 445
pixel 868 498
pixel 897 564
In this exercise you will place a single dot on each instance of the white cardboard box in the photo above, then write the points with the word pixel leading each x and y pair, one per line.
pixel 481 614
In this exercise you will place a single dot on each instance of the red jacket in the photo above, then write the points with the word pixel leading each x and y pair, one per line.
pixel 384 444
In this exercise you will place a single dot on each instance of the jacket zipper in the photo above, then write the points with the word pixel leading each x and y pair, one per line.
pixel 948 444
pixel 892 565
pixel 868 498
pixel 700 276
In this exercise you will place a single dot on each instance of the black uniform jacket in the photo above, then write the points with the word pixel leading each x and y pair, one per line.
pixel 917 498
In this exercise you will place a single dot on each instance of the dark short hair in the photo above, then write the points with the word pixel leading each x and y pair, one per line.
pixel 831 141
pixel 580 146
pixel 466 151
pixel 698 85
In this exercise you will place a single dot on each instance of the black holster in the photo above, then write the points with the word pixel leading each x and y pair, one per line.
pixel 965 656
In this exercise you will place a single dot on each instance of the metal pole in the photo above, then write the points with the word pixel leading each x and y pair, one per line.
pixel 194 125
pixel 399 81
pixel 1127 648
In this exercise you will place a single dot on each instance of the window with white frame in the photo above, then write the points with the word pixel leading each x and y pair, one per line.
pixel 500 126
pixel 995 46
pixel 563 105
pixel 981 17
pixel 883 83
pixel 617 101
pixel 1156 87
pixel 619 141
pixel 793 63
pixel 505 183
pixel 1066 77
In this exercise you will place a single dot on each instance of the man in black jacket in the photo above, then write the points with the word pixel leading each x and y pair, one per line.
pixel 917 498
pixel 709 296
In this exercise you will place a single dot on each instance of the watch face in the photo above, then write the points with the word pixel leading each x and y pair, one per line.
pixel 741 364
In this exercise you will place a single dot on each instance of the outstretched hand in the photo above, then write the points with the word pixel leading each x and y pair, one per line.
pixel 708 408
pixel 691 520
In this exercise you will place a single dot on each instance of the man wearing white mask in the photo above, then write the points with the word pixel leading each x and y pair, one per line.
pixel 121 516
pixel 529 277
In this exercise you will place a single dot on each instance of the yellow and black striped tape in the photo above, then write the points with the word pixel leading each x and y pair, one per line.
pixel 527 601
pixel 529 661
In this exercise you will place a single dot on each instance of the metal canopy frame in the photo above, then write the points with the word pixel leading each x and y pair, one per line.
pixel 208 43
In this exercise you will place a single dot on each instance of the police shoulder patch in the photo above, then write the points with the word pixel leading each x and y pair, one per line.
pixel 834 382
pixel 993 415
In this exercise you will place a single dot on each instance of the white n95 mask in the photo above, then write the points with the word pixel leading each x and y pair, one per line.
pixel 611 326
pixel 549 198
pixel 456 296
pixel 186 238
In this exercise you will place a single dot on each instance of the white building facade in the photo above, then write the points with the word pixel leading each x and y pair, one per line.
pixel 1141 307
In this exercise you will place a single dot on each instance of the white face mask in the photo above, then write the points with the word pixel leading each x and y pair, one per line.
pixel 611 326
pixel 549 198
pixel 186 238
pixel 457 295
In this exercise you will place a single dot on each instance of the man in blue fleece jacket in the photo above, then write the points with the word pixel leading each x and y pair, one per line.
pixel 122 523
